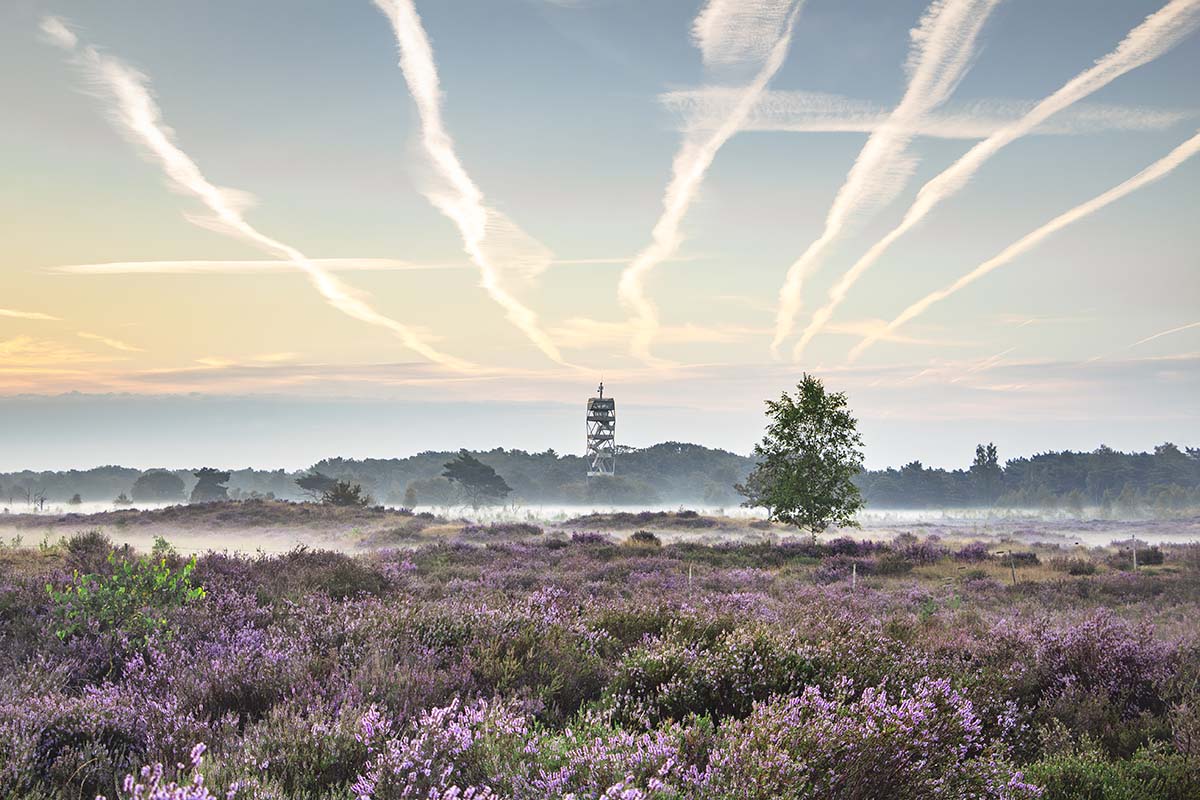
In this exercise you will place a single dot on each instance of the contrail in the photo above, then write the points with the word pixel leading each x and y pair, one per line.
pixel 1157 34
pixel 1180 329
pixel 483 230
pixel 139 116
pixel 115 344
pixel 942 48
pixel 1159 335
pixel 14 314
pixel 1150 174
pixel 820 112
pixel 696 155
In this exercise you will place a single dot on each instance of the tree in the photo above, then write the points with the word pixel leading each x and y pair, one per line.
pixel 478 482
pixel 157 486
pixel 345 493
pixel 410 496
pixel 75 500
pixel 986 473
pixel 807 460
pixel 209 486
pixel 315 484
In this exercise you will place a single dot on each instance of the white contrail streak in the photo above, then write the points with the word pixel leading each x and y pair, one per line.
pixel 14 314
pixel 1026 243
pixel 115 344
pixel 139 116
pixel 691 163
pixel 782 110
pixel 483 230
pixel 1151 338
pixel 942 48
pixel 1157 34
pixel 1180 329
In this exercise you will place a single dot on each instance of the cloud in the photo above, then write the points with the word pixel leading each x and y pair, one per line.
pixel 35 315
pixel 1156 35
pixel 274 267
pixel 58 33
pixel 579 332
pixel 696 155
pixel 115 344
pixel 138 116
pixel 818 112
pixel 734 33
pixel 493 242
pixel 26 351
pixel 1154 172
pixel 943 44
pixel 243 266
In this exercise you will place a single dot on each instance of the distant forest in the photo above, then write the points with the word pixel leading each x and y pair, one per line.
pixel 1162 481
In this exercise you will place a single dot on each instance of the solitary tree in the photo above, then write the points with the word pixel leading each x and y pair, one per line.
pixel 807 460
pixel 210 486
pixel 345 493
pixel 315 484
pixel 478 482
pixel 986 473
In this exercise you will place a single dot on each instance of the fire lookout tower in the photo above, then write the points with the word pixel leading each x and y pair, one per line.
pixel 601 434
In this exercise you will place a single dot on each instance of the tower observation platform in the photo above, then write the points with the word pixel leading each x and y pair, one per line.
pixel 601 434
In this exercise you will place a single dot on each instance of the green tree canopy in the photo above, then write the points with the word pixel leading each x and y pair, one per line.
pixel 157 486
pixel 315 484
pixel 479 483
pixel 345 493
pixel 210 486
pixel 807 460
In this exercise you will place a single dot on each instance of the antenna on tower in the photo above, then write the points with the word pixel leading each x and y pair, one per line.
pixel 601 434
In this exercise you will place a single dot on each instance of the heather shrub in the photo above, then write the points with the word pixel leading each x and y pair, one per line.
pixel 151 783
pixel 973 553
pixel 921 743
pixel 542 659
pixel 71 746
pixel 893 564
pixel 1073 566
pixel 308 748
pixel 88 551
pixel 457 750
pixel 1101 678
pixel 673 677
pixel 643 539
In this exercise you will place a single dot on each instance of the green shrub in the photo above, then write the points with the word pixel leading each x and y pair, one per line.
pixel 134 598
pixel 1153 773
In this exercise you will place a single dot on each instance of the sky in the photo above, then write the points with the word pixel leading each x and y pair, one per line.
pixel 260 234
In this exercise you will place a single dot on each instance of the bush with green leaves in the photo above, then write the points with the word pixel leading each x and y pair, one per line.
pixel 133 597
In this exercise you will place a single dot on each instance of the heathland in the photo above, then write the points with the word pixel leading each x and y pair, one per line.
pixel 616 655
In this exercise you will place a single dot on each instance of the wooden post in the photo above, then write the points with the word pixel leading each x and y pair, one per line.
pixel 1012 562
pixel 853 576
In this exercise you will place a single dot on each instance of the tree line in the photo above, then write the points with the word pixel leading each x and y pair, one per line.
pixel 1165 479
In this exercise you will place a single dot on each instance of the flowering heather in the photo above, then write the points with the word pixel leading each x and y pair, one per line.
pixel 546 667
